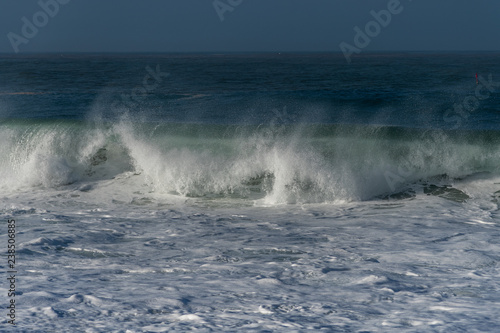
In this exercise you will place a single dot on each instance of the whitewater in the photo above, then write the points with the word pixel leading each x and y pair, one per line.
pixel 251 193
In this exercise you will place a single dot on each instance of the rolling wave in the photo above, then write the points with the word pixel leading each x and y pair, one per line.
pixel 272 163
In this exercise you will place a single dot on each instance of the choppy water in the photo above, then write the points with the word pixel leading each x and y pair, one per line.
pixel 252 192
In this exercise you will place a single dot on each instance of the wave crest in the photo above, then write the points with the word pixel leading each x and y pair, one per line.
pixel 273 164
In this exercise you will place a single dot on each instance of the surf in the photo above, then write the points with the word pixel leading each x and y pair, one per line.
pixel 270 164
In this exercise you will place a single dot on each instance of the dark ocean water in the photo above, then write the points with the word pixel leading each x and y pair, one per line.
pixel 411 90
pixel 275 192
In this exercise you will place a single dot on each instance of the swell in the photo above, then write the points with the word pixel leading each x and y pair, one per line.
pixel 275 163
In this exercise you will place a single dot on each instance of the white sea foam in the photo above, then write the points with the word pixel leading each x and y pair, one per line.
pixel 266 167
pixel 247 233
pixel 217 213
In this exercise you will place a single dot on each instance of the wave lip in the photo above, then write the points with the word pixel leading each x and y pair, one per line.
pixel 270 165
pixel 57 154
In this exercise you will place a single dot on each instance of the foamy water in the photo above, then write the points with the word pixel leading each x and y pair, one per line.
pixel 351 209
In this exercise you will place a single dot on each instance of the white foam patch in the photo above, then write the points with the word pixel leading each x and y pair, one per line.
pixel 371 279
pixel 190 317
pixel 268 282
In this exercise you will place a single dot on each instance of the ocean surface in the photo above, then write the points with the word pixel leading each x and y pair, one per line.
pixel 252 192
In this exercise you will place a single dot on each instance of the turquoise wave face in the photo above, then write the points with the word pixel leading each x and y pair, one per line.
pixel 279 163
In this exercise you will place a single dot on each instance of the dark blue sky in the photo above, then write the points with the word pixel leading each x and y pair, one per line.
pixel 253 25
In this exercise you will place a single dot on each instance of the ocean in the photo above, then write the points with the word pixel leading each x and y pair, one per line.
pixel 251 192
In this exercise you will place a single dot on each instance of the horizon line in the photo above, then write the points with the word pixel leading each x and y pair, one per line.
pixel 245 52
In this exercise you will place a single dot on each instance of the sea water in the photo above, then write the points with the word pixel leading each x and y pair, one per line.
pixel 275 192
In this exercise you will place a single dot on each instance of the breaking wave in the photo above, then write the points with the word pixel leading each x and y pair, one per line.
pixel 275 164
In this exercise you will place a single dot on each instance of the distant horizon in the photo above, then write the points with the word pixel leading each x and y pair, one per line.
pixel 253 52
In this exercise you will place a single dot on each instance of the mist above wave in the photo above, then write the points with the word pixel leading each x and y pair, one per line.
pixel 273 164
